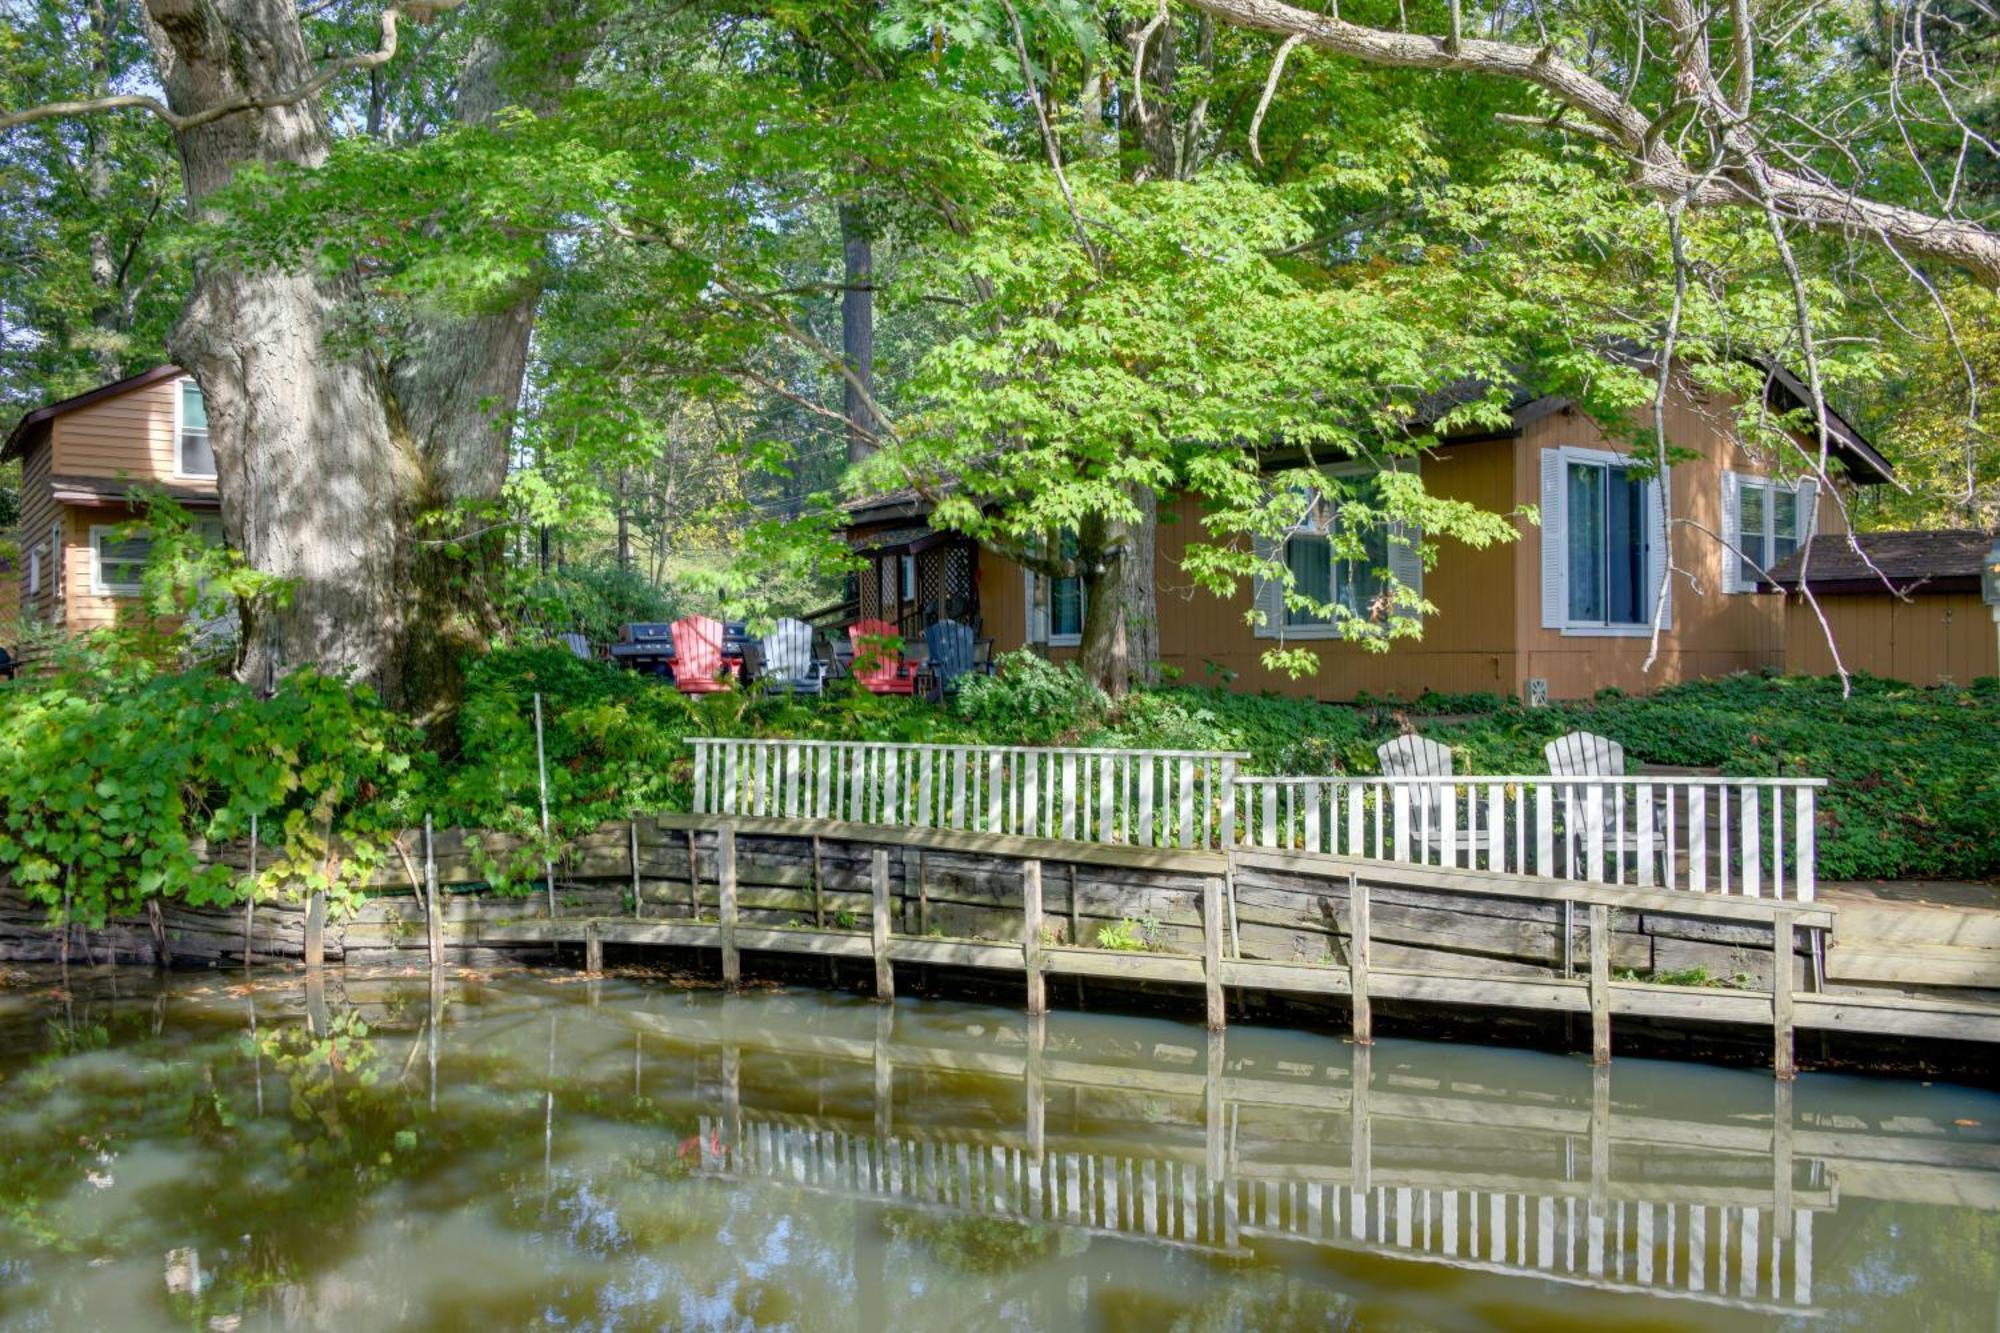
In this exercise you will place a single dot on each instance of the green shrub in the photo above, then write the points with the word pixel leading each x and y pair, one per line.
pixel 1030 700
pixel 594 600
pixel 117 780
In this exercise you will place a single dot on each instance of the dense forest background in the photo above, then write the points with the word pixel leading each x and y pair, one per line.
pixel 645 289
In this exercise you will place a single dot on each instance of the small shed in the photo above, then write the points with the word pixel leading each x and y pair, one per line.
pixel 1933 629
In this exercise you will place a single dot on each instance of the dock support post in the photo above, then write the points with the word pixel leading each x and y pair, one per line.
pixel 433 922
pixel 250 895
pixel 1784 939
pixel 878 926
pixel 725 874
pixel 694 878
pixel 638 888
pixel 542 793
pixel 1357 961
pixel 1600 984
pixel 1031 936
pixel 316 932
pixel 1211 951
pixel 593 949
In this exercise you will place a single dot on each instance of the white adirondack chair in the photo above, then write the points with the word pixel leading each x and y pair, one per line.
pixel 789 664
pixel 1592 813
pixel 1422 804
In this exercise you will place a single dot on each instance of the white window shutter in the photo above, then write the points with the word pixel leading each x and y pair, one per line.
pixel 1034 590
pixel 1658 551
pixel 1406 566
pixel 1808 510
pixel 1555 545
pixel 1732 532
pixel 1269 592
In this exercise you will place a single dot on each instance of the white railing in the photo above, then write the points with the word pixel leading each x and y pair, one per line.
pixel 1145 798
pixel 1747 836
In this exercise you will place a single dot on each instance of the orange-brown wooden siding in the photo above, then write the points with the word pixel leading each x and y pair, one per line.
pixel 1713 632
pixel 1487 631
pixel 1933 639
pixel 131 437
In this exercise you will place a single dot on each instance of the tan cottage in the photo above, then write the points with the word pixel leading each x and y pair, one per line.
pixel 82 462
pixel 1562 612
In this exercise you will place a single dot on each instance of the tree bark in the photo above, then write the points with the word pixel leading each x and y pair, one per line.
pixel 359 481
pixel 857 331
pixel 1121 624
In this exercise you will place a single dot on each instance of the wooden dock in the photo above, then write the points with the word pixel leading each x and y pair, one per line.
pixel 1193 895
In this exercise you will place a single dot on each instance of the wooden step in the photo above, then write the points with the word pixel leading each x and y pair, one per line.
pixel 1871 960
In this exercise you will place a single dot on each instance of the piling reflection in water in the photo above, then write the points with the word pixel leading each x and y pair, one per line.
pixel 520 1152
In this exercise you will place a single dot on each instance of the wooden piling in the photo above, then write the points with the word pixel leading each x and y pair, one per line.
pixel 1211 951
pixel 1031 936
pixel 1783 942
pixel 593 949
pixel 638 888
pixel 433 916
pixel 878 925
pixel 315 948
pixel 694 879
pixel 250 895
pixel 1357 960
pixel 725 877
pixel 1600 984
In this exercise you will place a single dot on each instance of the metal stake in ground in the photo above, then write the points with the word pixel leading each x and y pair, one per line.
pixel 542 785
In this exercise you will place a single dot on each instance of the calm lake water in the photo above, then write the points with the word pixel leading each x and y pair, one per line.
pixel 526 1151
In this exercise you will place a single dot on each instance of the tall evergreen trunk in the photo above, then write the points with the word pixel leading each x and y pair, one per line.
pixel 857 331
pixel 359 480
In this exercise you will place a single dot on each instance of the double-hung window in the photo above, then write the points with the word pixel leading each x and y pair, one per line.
pixel 1764 520
pixel 1603 554
pixel 1056 605
pixel 1340 555
pixel 193 455
pixel 118 562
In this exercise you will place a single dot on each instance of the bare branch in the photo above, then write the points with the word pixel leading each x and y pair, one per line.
pixel 1270 88
pixel 416 10
pixel 1797 195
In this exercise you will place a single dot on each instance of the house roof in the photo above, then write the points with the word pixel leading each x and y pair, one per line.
pixel 28 429
pixel 1785 392
pixel 115 490
pixel 1942 561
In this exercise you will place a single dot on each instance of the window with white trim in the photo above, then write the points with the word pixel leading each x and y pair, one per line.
pixel 1603 548
pixel 35 572
pixel 1056 605
pixel 193 455
pixel 118 562
pixel 1764 520
pixel 1340 554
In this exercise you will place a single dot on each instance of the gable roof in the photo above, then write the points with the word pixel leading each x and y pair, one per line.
pixel 29 429
pixel 1947 560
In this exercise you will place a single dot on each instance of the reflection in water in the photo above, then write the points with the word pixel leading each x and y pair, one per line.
pixel 529 1151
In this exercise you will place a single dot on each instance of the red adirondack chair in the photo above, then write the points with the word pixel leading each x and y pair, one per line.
pixel 878 659
pixel 698 666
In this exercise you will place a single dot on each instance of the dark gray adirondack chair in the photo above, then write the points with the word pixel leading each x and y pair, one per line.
pixel 789 664
pixel 954 655
pixel 6 665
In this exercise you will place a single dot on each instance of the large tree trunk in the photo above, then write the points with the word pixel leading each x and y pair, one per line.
pixel 1121 623
pixel 857 331
pixel 358 481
